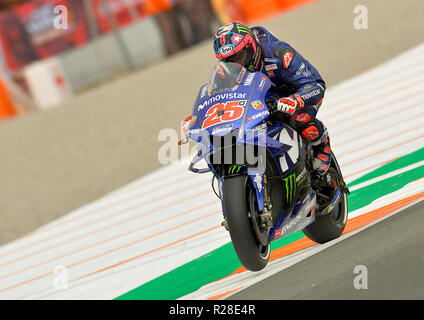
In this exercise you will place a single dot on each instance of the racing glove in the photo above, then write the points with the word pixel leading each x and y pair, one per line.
pixel 289 105
pixel 185 126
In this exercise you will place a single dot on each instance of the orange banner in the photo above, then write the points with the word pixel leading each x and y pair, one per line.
pixel 6 106
pixel 252 10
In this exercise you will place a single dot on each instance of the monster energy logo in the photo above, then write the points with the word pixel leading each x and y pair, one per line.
pixel 233 168
pixel 241 28
pixel 290 182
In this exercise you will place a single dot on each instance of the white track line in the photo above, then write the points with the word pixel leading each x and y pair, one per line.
pixel 247 278
pixel 131 221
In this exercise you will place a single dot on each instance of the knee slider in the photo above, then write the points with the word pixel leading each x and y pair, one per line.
pixel 311 133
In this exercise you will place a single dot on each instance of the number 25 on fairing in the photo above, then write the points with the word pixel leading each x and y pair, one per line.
pixel 223 112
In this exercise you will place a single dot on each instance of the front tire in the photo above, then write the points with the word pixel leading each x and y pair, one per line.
pixel 250 241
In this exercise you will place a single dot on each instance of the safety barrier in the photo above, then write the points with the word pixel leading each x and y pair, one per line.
pixel 7 108
pixel 103 44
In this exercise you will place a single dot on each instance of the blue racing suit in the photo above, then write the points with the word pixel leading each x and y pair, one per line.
pixel 293 76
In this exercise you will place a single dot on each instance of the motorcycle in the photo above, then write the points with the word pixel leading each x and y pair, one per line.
pixel 263 167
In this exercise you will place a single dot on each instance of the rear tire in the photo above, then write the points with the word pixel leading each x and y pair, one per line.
pixel 330 226
pixel 251 249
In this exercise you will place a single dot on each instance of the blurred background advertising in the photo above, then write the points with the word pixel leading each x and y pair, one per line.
pixel 51 50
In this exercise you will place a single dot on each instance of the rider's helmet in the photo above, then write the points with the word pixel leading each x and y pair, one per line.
pixel 236 42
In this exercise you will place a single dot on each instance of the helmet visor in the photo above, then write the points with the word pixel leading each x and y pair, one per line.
pixel 239 57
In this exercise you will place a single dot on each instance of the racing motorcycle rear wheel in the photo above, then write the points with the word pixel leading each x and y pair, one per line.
pixel 250 240
pixel 330 226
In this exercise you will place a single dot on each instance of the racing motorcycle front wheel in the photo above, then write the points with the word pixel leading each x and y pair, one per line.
pixel 250 240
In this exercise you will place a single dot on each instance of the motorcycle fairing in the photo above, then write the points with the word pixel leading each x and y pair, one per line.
pixel 302 215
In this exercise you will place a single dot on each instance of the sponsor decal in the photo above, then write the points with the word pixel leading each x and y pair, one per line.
pixel 302 117
pixel 291 224
pixel 336 199
pixel 241 75
pixel 223 96
pixel 271 67
pixel 226 49
pixel 301 176
pixel 258 181
pixel 300 102
pixel 242 28
pixel 304 223
pixel 249 79
pixel 271 60
pixel 221 129
pixel 258 130
pixel 223 112
pixel 310 133
pixel 203 91
pixel 220 71
pixel 287 58
pixel 311 94
pixel 221 188
pixel 322 157
pixel 271 74
pixel 234 169
pixel 222 31
pixel 262 114
pixel 257 105
pixel 277 233
pixel 261 85
pixel 290 187
pixel 303 69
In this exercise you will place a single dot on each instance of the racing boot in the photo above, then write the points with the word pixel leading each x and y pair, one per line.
pixel 316 133
pixel 322 181
pixel 322 156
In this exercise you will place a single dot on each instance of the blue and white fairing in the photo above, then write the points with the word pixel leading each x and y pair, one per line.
pixel 234 101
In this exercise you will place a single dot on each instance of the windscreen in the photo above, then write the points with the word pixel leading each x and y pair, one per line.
pixel 225 76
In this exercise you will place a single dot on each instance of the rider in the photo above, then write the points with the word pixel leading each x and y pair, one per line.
pixel 297 82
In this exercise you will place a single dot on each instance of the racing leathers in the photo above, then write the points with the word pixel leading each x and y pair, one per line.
pixel 300 89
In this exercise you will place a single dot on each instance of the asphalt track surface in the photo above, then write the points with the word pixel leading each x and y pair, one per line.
pixel 55 161
pixel 391 250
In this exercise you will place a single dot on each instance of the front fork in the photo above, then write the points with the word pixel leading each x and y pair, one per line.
pixel 259 182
